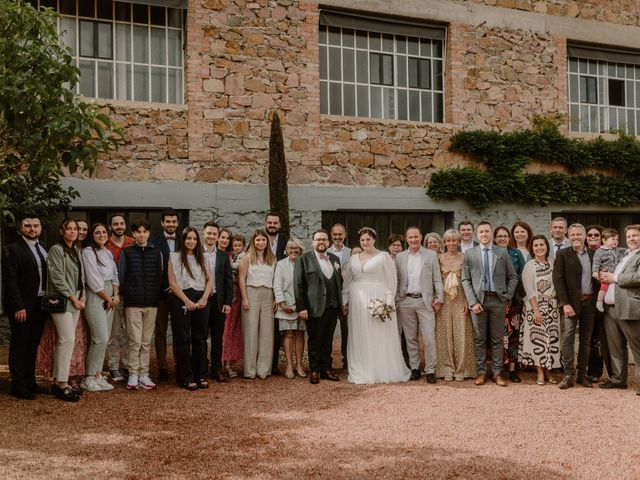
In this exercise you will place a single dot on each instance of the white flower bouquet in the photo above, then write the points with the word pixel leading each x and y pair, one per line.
pixel 380 309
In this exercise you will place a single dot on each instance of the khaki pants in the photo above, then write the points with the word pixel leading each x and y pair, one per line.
pixel 65 324
pixel 118 341
pixel 99 321
pixel 141 322
pixel 257 332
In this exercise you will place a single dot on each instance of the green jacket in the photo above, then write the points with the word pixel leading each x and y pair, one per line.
pixel 64 275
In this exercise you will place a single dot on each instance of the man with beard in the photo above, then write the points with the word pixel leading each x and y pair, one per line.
pixel 278 244
pixel 24 275
pixel 167 241
pixel 118 340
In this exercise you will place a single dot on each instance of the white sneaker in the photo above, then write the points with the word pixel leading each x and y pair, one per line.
pixel 132 383
pixel 104 384
pixel 145 382
pixel 90 385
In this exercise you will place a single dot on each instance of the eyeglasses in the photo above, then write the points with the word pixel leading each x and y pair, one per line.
pixel 593 234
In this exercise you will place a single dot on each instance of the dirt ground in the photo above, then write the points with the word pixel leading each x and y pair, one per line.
pixel 280 428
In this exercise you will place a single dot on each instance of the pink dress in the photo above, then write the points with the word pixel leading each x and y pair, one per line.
pixel 232 347
pixel 44 360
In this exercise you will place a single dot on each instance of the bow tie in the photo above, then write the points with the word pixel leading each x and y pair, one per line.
pixel 324 256
pixel 170 237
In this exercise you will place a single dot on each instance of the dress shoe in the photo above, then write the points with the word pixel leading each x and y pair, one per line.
pixel 431 378
pixel 593 379
pixel 638 391
pixel 415 374
pixel 567 382
pixel 610 384
pixel 314 378
pixel 585 382
pixel 328 375
pixel 276 371
pixel 219 376
pixel 480 380
pixel 514 377
pixel 163 375
pixel 500 380
pixel 23 393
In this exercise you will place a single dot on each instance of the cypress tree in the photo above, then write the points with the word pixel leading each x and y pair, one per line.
pixel 278 188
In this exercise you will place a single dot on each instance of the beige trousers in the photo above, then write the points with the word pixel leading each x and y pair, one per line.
pixel 141 322
pixel 65 324
pixel 257 332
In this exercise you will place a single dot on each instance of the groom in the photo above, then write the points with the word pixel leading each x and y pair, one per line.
pixel 318 285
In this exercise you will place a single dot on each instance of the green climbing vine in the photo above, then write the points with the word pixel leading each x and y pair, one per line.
pixel 505 156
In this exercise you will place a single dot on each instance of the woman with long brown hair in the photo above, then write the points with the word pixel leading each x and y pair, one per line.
pixel 255 278
pixel 190 280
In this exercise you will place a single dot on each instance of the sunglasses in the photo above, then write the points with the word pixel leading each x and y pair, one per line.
pixel 593 234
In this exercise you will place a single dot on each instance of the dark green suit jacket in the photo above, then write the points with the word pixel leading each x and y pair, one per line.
pixel 308 283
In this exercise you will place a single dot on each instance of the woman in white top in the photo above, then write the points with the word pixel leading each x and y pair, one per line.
pixel 101 279
pixel 291 326
pixel 255 278
pixel 190 281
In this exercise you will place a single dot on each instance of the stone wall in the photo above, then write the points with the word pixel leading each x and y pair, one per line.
pixel 623 12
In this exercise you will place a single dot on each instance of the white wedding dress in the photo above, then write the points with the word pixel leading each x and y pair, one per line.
pixel 373 346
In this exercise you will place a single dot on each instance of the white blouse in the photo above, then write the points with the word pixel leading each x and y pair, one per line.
pixel 183 279
pixel 95 274
pixel 260 275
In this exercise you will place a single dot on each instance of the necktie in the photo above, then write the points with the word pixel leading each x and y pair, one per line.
pixel 487 270
pixel 557 245
pixel 43 265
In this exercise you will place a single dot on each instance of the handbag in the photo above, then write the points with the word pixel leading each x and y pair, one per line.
pixel 55 303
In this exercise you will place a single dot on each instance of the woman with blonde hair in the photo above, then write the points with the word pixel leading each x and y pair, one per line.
pixel 255 278
pixel 291 326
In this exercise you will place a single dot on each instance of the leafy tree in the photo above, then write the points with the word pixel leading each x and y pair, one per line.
pixel 46 131
pixel 278 188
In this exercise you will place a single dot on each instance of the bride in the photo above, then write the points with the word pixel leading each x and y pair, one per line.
pixel 373 346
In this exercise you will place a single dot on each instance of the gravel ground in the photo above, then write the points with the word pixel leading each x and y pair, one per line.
pixel 280 428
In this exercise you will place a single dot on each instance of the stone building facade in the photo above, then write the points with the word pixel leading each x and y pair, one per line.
pixel 504 61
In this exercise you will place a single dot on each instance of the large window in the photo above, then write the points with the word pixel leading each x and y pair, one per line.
pixel 381 69
pixel 604 90
pixel 125 51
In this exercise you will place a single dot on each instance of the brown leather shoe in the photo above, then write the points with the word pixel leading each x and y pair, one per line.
pixel 480 380
pixel 500 380
pixel 328 375
pixel 585 382
pixel 314 378
pixel 219 376
pixel 567 382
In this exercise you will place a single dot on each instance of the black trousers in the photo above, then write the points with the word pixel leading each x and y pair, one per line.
pixel 216 328
pixel 189 338
pixel 599 354
pixel 277 343
pixel 320 342
pixel 23 348
pixel 344 331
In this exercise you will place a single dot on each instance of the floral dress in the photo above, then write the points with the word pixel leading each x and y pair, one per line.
pixel 232 348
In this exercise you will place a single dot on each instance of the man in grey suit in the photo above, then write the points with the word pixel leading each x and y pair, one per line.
pixel 420 295
pixel 340 250
pixel 489 281
pixel 559 238
pixel 622 311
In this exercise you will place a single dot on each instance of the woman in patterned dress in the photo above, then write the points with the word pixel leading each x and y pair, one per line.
pixel 540 333
pixel 454 333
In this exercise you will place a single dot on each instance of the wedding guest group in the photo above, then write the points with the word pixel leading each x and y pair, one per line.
pixel 485 303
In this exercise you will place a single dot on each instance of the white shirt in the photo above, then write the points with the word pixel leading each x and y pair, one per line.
pixel 466 246
pixel 183 279
pixel 338 253
pixel 32 245
pixel 95 274
pixel 171 243
pixel 210 255
pixel 325 264
pixel 414 270
pixel 609 297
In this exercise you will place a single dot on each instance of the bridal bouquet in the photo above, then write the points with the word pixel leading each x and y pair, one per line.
pixel 380 309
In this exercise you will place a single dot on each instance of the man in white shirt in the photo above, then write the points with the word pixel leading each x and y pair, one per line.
pixel 466 233
pixel 221 295
pixel 420 296
pixel 622 311
pixel 340 250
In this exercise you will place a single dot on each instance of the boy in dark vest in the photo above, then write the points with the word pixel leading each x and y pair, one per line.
pixel 141 282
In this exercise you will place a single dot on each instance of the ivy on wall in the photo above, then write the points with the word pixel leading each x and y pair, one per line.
pixel 505 156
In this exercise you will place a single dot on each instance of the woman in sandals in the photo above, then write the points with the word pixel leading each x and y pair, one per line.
pixel 190 281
